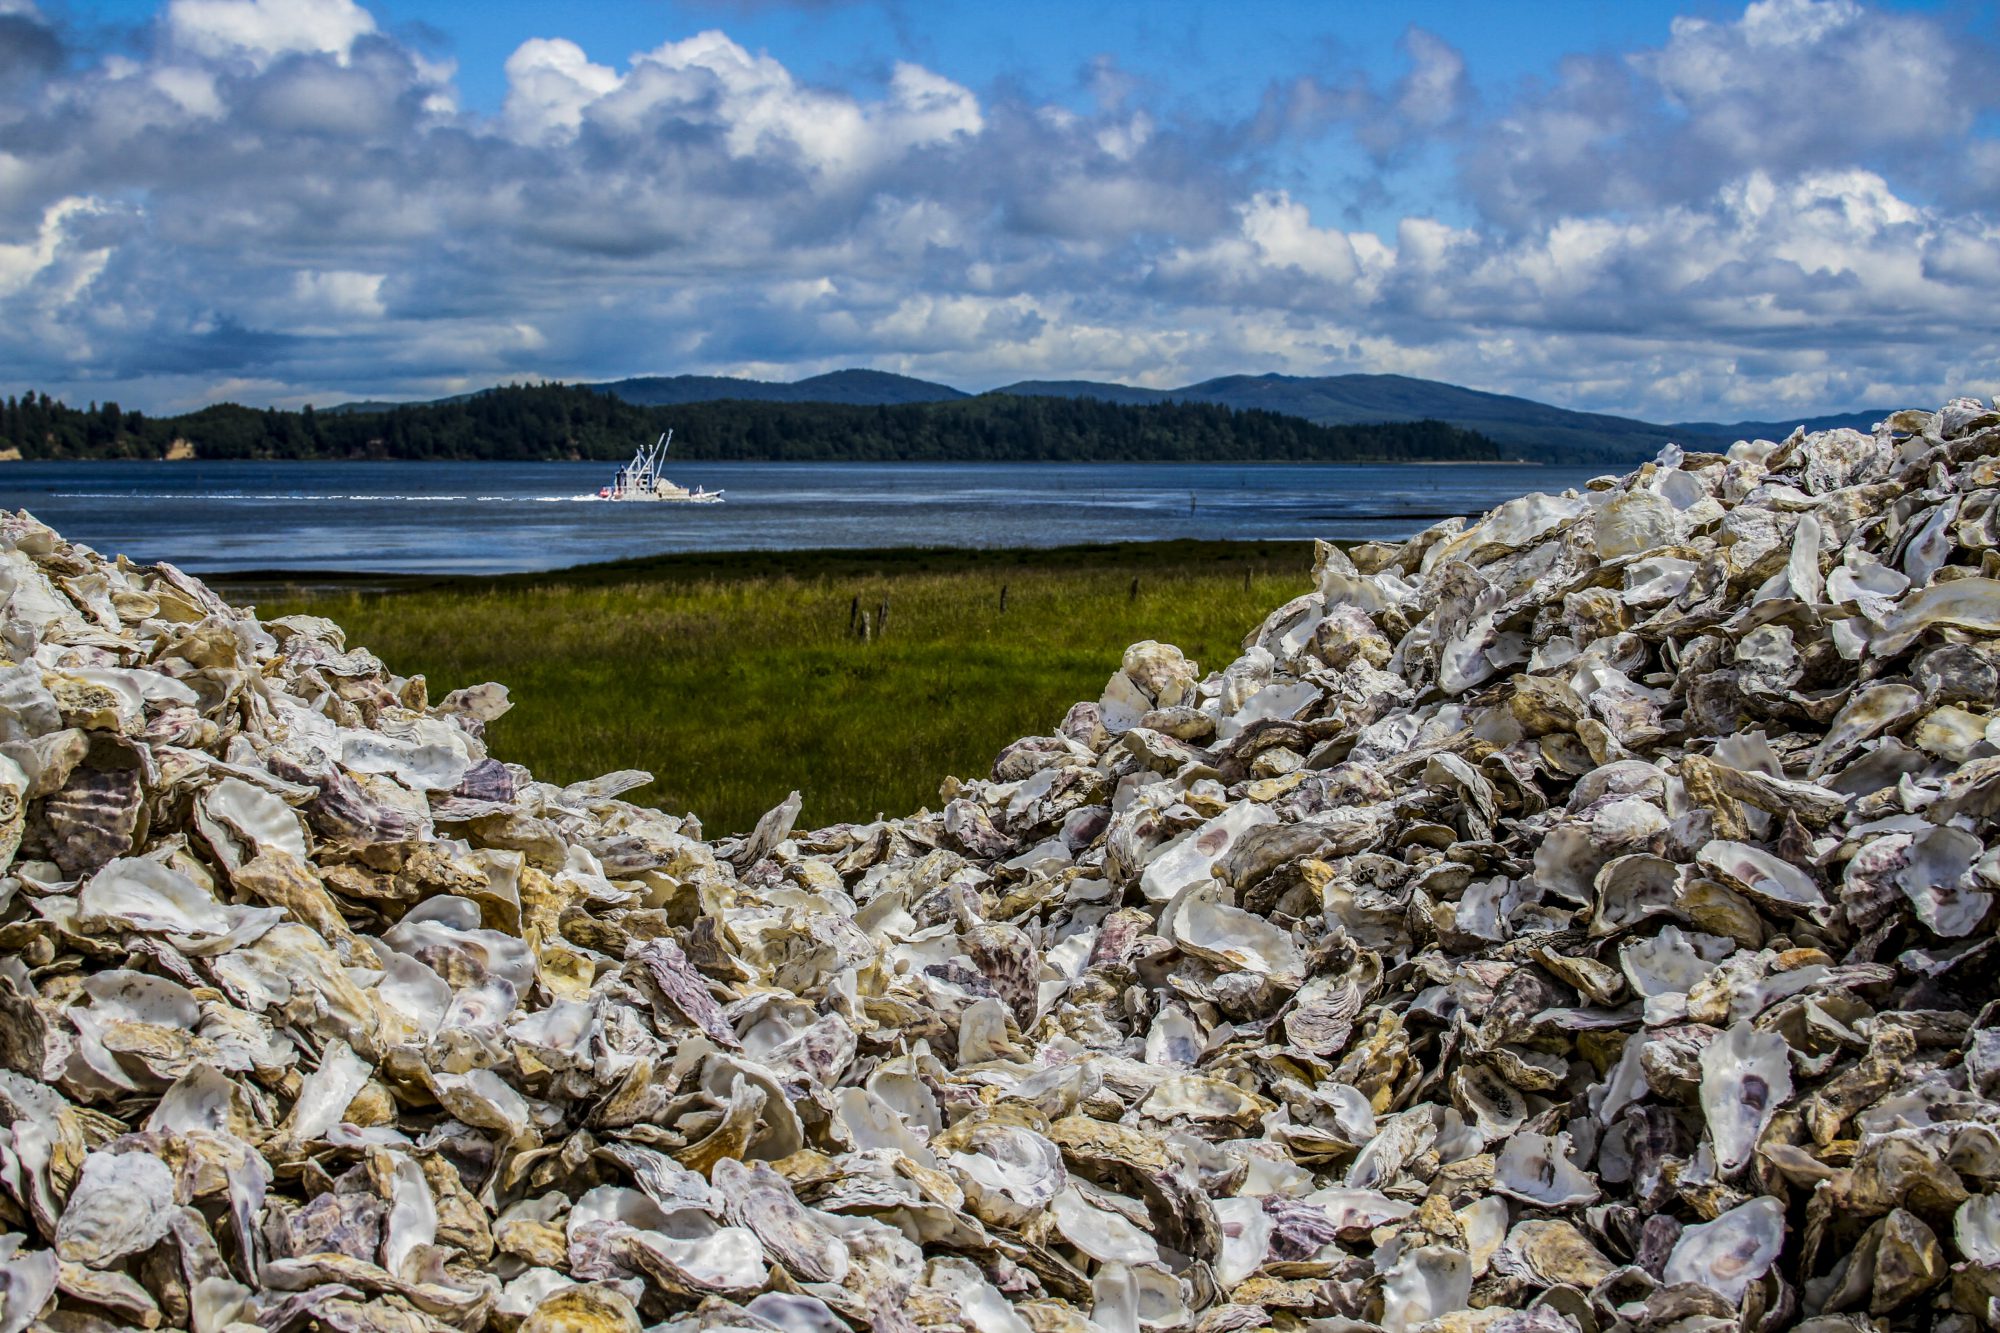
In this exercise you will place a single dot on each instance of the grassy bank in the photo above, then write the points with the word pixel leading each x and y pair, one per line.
pixel 735 678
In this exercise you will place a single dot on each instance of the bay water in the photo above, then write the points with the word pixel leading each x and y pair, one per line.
pixel 489 518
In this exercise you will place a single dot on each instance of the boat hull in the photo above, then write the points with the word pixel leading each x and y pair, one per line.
pixel 712 498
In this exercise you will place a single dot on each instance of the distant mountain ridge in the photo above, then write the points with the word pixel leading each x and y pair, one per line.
pixel 852 388
pixel 1128 394
pixel 1778 430
pixel 1522 427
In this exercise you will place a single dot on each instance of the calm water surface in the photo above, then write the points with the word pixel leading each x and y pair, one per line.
pixel 485 518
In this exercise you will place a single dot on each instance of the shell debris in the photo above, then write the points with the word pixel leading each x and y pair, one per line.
pixel 1581 918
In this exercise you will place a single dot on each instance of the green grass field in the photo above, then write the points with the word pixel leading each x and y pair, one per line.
pixel 734 679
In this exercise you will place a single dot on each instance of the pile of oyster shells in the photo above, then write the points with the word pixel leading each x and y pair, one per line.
pixel 1578 919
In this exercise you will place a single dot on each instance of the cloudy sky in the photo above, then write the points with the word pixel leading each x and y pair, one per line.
pixel 1677 211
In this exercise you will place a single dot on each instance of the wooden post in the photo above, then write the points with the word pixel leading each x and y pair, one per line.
pixel 1133 596
pixel 853 615
pixel 1003 599
pixel 882 617
pixel 864 627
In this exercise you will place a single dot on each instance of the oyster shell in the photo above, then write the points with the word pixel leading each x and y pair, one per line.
pixel 1746 1076
pixel 1728 1254
pixel 1572 918
pixel 122 1204
pixel 1536 1169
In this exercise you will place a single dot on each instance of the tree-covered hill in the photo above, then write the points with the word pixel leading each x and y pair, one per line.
pixel 1521 427
pixel 553 421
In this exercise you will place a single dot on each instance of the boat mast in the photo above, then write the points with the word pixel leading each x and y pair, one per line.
pixel 643 474
pixel 656 459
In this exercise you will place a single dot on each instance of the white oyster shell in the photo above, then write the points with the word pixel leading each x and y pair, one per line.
pixel 1976 1228
pixel 1104 1236
pixel 1536 1168
pixel 1129 1297
pixel 1937 880
pixel 1246 1238
pixel 243 821
pixel 122 1204
pixel 27 1283
pixel 1746 1075
pixel 1188 859
pixel 985 1310
pixel 1233 938
pixel 1730 1253
pixel 730 1259
pixel 1426 1283
pixel 134 893
pixel 1010 1175
pixel 1762 875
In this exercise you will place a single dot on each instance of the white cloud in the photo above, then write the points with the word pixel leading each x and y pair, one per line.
pixel 1434 91
pixel 279 195
pixel 342 293
pixel 1788 87
pixel 1432 96
pixel 1277 256
pixel 23 264
pixel 189 88
pixel 549 83
pixel 264 29
pixel 752 103
pixel 44 280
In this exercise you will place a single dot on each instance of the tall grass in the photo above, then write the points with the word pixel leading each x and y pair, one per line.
pixel 734 691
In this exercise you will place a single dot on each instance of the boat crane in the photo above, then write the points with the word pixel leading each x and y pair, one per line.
pixel 641 479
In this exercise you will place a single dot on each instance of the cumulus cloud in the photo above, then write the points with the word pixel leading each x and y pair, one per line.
pixel 1429 100
pixel 549 83
pixel 1790 86
pixel 261 30
pixel 277 198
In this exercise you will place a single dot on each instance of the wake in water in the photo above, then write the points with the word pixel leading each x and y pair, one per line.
pixel 499 517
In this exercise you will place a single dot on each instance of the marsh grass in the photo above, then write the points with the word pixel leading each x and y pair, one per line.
pixel 733 689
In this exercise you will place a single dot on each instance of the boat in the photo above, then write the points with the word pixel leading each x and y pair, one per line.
pixel 640 479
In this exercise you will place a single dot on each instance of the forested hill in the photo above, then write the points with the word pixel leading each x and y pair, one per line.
pixel 552 421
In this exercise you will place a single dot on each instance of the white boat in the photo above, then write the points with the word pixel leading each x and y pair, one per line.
pixel 640 479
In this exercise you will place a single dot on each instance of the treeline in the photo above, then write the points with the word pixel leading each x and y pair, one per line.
pixel 555 421
pixel 1003 428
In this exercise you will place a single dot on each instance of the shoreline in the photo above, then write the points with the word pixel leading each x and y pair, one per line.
pixel 803 564
pixel 184 463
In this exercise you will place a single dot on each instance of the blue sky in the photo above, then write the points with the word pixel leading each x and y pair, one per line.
pixel 1678 211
